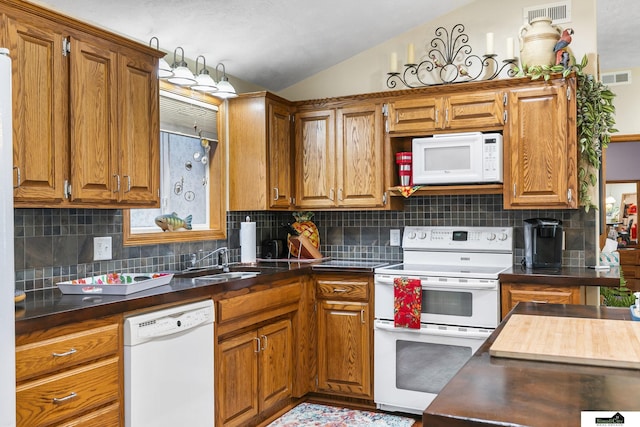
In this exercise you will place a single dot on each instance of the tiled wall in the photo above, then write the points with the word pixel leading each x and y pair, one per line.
pixel 53 245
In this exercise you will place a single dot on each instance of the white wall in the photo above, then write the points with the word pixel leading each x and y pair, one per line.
pixel 627 103
pixel 366 72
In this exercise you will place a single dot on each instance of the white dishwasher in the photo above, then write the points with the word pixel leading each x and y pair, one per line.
pixel 168 367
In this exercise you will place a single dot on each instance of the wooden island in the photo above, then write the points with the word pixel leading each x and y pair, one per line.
pixel 495 391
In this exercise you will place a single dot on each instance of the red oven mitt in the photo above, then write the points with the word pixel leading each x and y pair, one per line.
pixel 407 302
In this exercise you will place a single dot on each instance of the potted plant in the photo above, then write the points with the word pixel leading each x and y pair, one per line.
pixel 595 121
pixel 617 297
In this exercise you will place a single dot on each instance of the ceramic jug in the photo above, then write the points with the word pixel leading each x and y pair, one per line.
pixel 537 40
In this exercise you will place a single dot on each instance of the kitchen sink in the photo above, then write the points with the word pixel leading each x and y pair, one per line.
pixel 223 277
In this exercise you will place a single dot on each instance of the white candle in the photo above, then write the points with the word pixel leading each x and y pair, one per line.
pixel 489 43
pixel 394 62
pixel 411 56
pixel 509 47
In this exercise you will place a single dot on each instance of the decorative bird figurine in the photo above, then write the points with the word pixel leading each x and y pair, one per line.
pixel 437 63
pixel 562 56
pixel 463 71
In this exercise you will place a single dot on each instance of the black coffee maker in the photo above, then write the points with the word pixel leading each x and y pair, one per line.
pixel 543 243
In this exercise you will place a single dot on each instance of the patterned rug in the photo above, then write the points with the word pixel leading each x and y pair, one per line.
pixel 313 415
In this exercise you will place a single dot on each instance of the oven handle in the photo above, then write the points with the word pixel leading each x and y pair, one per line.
pixel 388 280
pixel 388 327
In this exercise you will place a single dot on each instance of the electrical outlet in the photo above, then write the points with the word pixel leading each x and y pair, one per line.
pixel 394 237
pixel 102 248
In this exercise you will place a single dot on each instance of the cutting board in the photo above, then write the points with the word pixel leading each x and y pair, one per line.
pixel 600 342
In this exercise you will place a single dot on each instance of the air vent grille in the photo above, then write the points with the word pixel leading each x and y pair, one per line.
pixel 559 13
pixel 617 78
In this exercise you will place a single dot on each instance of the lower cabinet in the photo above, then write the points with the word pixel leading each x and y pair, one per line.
pixel 70 375
pixel 344 335
pixel 511 294
pixel 255 370
pixel 630 265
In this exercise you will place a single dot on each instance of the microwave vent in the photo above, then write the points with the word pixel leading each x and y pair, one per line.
pixel 559 13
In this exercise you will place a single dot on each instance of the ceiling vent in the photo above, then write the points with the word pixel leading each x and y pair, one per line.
pixel 617 78
pixel 559 13
pixel 186 116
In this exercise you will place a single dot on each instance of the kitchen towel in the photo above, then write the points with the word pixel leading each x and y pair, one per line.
pixel 407 302
pixel 247 242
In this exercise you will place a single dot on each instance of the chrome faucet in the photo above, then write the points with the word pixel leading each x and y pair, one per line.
pixel 224 251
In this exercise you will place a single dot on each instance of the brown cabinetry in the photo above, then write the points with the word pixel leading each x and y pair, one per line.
pixel 260 152
pixel 511 294
pixel 472 110
pixel 344 335
pixel 630 266
pixel 86 130
pixel 70 375
pixel 540 147
pixel 339 157
pixel 254 357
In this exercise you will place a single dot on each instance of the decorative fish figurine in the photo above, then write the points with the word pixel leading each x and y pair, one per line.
pixel 172 222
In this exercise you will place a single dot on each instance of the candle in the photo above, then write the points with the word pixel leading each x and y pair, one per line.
pixel 489 43
pixel 394 62
pixel 509 47
pixel 411 57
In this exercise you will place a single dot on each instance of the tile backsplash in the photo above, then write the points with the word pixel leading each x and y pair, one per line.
pixel 53 245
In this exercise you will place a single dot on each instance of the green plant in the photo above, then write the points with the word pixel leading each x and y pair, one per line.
pixel 618 297
pixel 595 120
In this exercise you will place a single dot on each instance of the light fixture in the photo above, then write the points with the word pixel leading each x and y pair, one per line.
pixel 225 89
pixel 182 76
pixel 204 82
pixel 610 200
pixel 164 70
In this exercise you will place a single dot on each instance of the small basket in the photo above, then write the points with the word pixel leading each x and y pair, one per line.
pixel 115 283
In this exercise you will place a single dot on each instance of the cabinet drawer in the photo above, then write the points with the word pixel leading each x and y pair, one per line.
pixel 342 289
pixel 630 271
pixel 78 390
pixel 108 416
pixel 262 301
pixel 53 354
pixel 629 256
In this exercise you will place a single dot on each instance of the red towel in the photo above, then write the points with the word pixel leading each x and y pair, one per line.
pixel 407 302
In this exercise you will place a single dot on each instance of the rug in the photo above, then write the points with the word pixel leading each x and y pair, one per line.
pixel 313 415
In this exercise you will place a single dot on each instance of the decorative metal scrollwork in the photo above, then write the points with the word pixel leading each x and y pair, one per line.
pixel 450 60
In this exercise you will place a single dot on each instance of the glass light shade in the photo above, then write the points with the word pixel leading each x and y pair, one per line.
pixel 182 76
pixel 164 69
pixel 204 83
pixel 225 89
pixel 610 200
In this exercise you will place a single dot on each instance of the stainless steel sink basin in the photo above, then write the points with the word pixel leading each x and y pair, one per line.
pixel 223 277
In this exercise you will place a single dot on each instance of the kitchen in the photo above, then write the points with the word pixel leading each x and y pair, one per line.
pixel 346 234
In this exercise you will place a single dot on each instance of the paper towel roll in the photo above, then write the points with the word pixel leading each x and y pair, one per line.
pixel 247 242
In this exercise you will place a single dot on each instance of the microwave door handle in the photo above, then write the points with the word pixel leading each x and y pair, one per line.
pixel 388 326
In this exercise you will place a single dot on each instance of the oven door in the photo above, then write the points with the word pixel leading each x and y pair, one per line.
pixel 411 366
pixel 449 301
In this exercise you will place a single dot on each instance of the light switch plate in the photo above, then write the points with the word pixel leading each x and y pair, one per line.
pixel 394 237
pixel 102 248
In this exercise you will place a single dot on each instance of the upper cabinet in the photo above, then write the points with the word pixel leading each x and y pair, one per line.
pixel 86 121
pixel 339 157
pixel 540 146
pixel 428 114
pixel 260 153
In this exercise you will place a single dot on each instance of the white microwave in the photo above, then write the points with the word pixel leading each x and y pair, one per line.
pixel 457 158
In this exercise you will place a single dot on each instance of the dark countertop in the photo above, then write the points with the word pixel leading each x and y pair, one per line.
pixel 564 276
pixel 493 391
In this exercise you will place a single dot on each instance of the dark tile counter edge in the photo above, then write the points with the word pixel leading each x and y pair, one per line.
pixel 564 276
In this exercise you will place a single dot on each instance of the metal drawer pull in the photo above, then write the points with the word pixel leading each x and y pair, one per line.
pixel 264 347
pixel 339 290
pixel 16 168
pixel 64 399
pixel 66 353
pixel 257 340
pixel 540 301
pixel 128 183
pixel 362 320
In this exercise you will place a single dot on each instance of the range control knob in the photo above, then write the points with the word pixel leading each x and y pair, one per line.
pixel 422 235
pixel 491 236
pixel 503 236
pixel 412 235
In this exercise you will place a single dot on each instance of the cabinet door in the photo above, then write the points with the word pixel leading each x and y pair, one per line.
pixel 540 151
pixel 138 113
pixel 94 133
pixel 474 110
pixel 315 159
pixel 237 379
pixel 511 294
pixel 359 160
pixel 415 115
pixel 276 362
pixel 40 87
pixel 280 158
pixel 343 348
